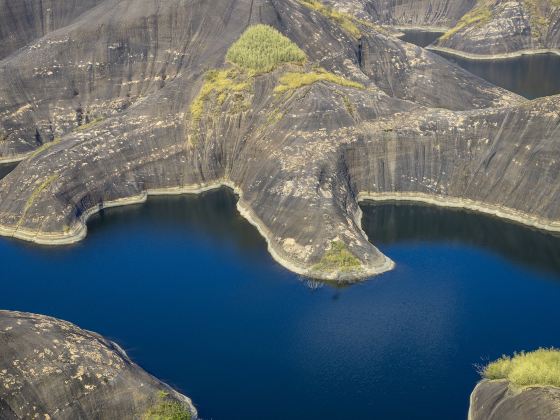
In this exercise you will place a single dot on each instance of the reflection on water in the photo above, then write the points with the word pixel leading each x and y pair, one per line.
pixel 211 213
pixel 531 76
pixel 188 288
pixel 420 38
pixel 398 223
pixel 6 168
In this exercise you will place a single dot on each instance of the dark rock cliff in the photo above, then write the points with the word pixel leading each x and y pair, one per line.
pixel 101 110
pixel 51 369
pixel 23 21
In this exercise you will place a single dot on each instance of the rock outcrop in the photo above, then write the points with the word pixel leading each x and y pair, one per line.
pixel 505 28
pixel 495 400
pixel 103 110
pixel 51 369
pixel 408 13
pixel 23 21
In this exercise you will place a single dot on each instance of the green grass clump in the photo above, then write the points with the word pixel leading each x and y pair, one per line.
pixel 294 80
pixel 88 125
pixel 344 20
pixel 167 409
pixel 478 16
pixel 337 258
pixel 220 83
pixel 539 367
pixel 262 48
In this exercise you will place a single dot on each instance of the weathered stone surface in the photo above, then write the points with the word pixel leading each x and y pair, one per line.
pixel 412 13
pixel 22 21
pixel 494 400
pixel 51 369
pixel 505 27
pixel 421 129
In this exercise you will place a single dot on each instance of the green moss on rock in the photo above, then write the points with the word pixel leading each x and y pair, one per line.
pixel 478 16
pixel 344 20
pixel 295 80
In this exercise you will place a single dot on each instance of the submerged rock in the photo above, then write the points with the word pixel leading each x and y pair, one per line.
pixel 52 369
pixel 136 97
pixel 495 400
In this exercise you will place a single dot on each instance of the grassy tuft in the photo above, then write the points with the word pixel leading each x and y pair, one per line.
pixel 337 258
pixel 539 367
pixel 220 83
pixel 294 80
pixel 88 125
pixel 167 409
pixel 478 16
pixel 262 48
pixel 344 20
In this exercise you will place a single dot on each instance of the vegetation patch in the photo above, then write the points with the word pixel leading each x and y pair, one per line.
pixel 90 124
pixel 45 146
pixel 219 84
pixel 478 16
pixel 344 20
pixel 295 80
pixel 539 367
pixel 337 258
pixel 262 48
pixel 167 408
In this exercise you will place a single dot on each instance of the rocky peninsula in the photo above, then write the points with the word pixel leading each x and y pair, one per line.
pixel 52 369
pixel 135 97
pixel 505 28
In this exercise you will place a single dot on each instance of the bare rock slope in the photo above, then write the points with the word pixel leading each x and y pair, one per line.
pixel 51 369
pixel 136 97
pixel 505 27
pixel 494 400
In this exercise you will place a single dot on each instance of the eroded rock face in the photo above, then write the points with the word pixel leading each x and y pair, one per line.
pixel 51 369
pixel 25 20
pixel 501 27
pixel 109 120
pixel 408 13
pixel 494 400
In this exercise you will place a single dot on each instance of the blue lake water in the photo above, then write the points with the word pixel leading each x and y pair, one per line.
pixel 187 287
pixel 531 76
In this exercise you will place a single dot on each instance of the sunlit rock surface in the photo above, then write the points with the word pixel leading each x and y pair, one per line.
pixel 494 400
pixel 501 27
pixel 100 110
pixel 51 369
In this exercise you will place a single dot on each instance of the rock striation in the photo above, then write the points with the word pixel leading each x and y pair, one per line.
pixel 503 28
pixel 495 400
pixel 136 97
pixel 51 369
pixel 408 13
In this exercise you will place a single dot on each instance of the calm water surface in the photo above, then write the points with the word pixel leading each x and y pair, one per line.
pixel 531 76
pixel 420 38
pixel 6 168
pixel 187 287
